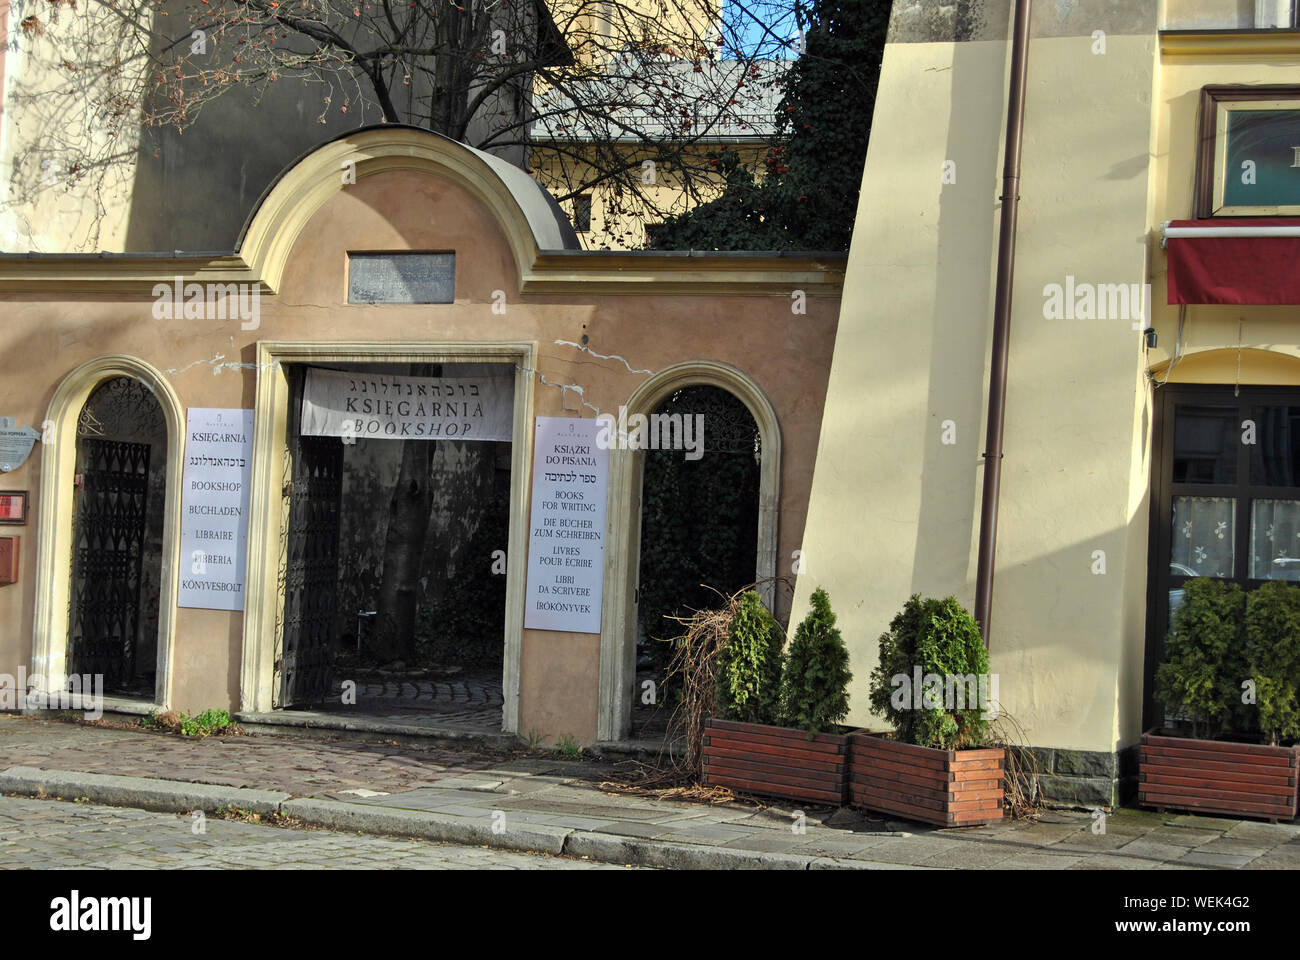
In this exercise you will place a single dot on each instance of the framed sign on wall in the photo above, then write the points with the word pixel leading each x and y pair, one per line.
pixel 1249 161
pixel 13 507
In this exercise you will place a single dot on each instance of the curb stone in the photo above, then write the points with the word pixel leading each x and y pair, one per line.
pixel 168 796
pixel 612 848
pixel 172 796
pixel 372 818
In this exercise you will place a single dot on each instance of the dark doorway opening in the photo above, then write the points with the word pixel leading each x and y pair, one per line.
pixel 699 532
pixel 119 500
pixel 446 667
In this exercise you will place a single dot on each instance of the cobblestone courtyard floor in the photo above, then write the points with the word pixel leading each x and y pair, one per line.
pixel 468 701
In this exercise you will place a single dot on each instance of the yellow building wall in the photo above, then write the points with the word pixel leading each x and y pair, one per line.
pixel 1209 328
pixel 623 227
pixel 894 510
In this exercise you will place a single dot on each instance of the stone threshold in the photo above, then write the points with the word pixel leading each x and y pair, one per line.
pixel 318 724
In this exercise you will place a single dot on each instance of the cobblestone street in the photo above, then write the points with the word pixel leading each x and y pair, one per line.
pixel 48 834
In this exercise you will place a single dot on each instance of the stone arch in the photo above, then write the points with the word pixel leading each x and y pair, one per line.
pixel 530 218
pixel 55 521
pixel 622 537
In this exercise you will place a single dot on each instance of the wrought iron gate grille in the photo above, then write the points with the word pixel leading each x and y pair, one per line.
pixel 108 547
pixel 310 563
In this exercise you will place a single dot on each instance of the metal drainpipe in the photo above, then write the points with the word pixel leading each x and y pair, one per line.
pixel 1002 318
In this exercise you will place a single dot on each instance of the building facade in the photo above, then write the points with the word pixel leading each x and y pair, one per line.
pixel 569 334
pixel 1151 402
pixel 1130 394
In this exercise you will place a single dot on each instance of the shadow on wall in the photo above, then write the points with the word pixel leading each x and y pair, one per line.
pixel 1061 674
pixel 962 320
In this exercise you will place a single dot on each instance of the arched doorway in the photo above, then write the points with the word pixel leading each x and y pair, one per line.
pixel 118 511
pixel 620 616
pixel 63 453
pixel 699 517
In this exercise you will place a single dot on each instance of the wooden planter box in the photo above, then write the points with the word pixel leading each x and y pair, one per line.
pixel 1211 776
pixel 776 761
pixel 949 788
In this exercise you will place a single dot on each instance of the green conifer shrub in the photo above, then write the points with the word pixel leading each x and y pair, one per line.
pixel 944 641
pixel 1273 654
pixel 1205 657
pixel 749 665
pixel 815 682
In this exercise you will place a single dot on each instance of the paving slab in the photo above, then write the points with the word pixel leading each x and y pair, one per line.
pixel 764 843
pixel 912 851
pixel 1093 843
pixel 1039 860
pixel 1233 847
pixel 1202 859
pixel 1182 836
pixel 1044 834
pixel 1151 850
pixel 1106 861
pixel 1252 829
pixel 972 857
pixel 1202 822
pixel 1279 858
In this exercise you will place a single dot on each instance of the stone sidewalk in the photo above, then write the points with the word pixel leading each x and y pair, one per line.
pixel 522 801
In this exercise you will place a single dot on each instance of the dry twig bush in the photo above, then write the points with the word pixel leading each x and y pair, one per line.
pixel 692 670
pixel 1019 785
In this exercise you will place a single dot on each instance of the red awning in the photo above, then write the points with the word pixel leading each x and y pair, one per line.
pixel 1234 270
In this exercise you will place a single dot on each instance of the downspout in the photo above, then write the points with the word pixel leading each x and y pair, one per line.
pixel 1002 318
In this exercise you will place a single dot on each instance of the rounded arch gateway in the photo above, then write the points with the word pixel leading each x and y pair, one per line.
pixel 619 618
pixel 56 547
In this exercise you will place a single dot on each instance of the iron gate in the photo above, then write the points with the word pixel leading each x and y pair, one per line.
pixel 108 547
pixel 311 562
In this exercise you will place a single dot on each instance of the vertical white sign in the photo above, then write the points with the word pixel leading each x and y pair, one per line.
pixel 566 533
pixel 214 508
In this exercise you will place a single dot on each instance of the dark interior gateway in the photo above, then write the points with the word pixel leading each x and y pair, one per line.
pixel 437 511
pixel 118 509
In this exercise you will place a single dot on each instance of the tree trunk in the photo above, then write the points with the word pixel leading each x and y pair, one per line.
pixel 408 525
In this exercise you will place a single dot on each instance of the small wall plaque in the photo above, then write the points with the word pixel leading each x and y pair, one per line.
pixel 13 507
pixel 401 277
pixel 10 550
pixel 15 444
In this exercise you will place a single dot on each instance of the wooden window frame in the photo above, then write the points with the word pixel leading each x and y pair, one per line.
pixel 1211 98
pixel 581 223
pixel 1163 490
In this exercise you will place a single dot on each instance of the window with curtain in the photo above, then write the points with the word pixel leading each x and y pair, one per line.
pixel 1225 497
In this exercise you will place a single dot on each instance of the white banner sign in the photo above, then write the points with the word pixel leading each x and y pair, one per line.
pixel 566 544
pixel 214 508
pixel 388 406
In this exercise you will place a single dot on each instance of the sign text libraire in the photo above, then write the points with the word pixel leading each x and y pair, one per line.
pixel 214 508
